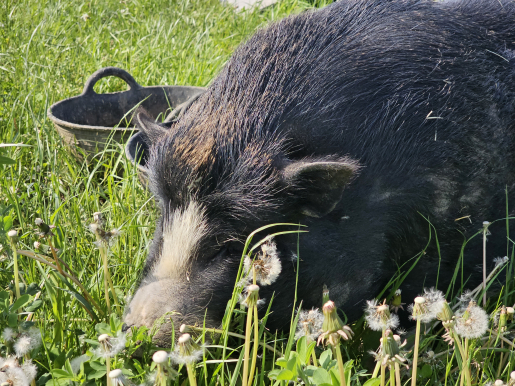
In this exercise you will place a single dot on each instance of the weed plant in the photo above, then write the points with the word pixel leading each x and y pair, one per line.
pixel 64 285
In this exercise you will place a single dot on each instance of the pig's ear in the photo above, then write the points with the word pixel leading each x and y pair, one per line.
pixel 316 186
pixel 152 130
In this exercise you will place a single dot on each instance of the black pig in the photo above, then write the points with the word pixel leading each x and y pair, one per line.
pixel 360 121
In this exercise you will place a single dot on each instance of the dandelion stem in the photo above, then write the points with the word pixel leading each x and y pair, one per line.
pixel 392 376
pixel 415 355
pixel 485 230
pixel 56 259
pixel 248 330
pixel 466 363
pixel 108 370
pixel 340 365
pixel 376 370
pixel 314 358
pixel 103 254
pixel 115 298
pixel 397 374
pixel 15 264
pixel 501 360
pixel 256 344
pixel 191 374
pixel 383 375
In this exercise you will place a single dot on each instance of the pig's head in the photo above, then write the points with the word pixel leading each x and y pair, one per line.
pixel 213 189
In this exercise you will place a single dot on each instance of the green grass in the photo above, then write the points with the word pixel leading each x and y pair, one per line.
pixel 47 51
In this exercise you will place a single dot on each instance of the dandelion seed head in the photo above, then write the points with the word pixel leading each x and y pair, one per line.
pixel 498 383
pixel 22 346
pixel 98 218
pixel 266 264
pixel 310 324
pixel 29 369
pixel 8 334
pixel 466 297
pixel 500 261
pixel 12 233
pixel 187 351
pixel 110 346
pixel 160 357
pixel 250 296
pixel 115 373
pixel 15 375
pixel 427 306
pixel 379 318
pixel 118 379
pixel 471 322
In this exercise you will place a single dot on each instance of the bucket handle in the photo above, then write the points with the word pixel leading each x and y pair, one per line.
pixel 109 71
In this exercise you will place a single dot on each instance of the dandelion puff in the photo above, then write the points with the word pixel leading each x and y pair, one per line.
pixel 8 334
pixel 471 322
pixel 29 369
pixel 22 346
pixel 500 261
pixel 249 295
pixel 110 346
pixel 118 379
pixel 378 316
pixel 187 351
pixel 35 338
pixel 428 310
pixel 466 297
pixel 266 265
pixel 310 324
pixel 15 375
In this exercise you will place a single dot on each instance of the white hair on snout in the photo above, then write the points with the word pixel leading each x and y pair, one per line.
pixel 182 232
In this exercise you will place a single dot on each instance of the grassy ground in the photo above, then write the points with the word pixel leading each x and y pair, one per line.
pixel 47 51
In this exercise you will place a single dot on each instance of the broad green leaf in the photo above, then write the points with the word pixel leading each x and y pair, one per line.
pixel 425 371
pixel 325 358
pixel 59 373
pixel 282 362
pixel 21 302
pixel 12 320
pixel 292 362
pixel 4 295
pixel 302 348
pixel 58 382
pixel 96 374
pixel 8 223
pixel 285 375
pixel 6 160
pixel 372 382
pixel 34 306
pixel 272 374
pixel 68 367
pixel 321 376
pixel 97 365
